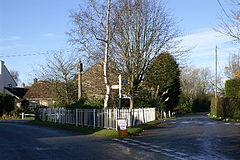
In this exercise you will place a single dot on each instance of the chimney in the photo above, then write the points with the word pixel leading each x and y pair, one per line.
pixel 1 66
pixel 23 85
pixel 35 80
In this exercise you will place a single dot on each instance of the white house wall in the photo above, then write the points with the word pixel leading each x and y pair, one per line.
pixel 5 78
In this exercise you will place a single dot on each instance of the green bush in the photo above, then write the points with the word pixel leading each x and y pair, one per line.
pixel 226 108
pixel 201 104
pixel 185 104
pixel 188 104
pixel 7 103
pixel 214 106
pixel 232 88
pixel 85 104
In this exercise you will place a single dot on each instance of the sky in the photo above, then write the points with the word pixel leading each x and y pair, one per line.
pixel 31 29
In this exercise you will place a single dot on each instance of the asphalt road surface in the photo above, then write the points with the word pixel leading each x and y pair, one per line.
pixel 189 137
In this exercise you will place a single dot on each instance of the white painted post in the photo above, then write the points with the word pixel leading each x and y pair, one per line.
pixel 22 115
pixel 169 113
pixel 164 114
pixel 116 117
pixel 76 117
pixel 94 118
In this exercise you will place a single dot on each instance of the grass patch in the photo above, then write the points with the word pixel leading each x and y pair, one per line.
pixel 133 131
pixel 140 128
pixel 17 118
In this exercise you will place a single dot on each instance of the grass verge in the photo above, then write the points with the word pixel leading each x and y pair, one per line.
pixel 17 118
pixel 214 117
pixel 133 131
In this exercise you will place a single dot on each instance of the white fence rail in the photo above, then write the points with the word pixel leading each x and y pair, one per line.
pixel 103 118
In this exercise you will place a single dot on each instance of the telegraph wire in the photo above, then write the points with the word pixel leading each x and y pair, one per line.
pixel 223 8
pixel 23 55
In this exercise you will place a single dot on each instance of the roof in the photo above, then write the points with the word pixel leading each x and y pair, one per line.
pixel 41 89
pixel 19 92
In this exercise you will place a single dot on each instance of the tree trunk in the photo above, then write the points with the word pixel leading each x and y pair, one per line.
pixel 105 65
pixel 131 102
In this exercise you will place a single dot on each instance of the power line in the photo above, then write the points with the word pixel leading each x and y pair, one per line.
pixel 222 8
pixel 20 55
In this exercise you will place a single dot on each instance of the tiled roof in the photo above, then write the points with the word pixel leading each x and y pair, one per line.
pixel 19 92
pixel 41 89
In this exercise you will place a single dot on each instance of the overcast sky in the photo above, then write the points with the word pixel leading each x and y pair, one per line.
pixel 31 28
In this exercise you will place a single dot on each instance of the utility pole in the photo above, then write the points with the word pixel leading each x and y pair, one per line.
pixel 79 70
pixel 216 61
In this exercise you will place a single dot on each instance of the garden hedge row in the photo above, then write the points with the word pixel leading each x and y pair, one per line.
pixel 226 107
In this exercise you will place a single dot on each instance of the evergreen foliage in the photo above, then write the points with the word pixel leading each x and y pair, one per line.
pixel 163 75
pixel 6 103
pixel 232 88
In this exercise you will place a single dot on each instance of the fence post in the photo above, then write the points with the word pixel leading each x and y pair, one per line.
pixel 94 118
pixel 76 117
pixel 22 115
pixel 116 117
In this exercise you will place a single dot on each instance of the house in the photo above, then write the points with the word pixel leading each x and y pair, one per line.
pixel 41 93
pixel 93 82
pixel 6 80
pixel 9 86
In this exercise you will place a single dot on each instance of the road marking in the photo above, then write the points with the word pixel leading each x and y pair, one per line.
pixel 168 150
pixel 167 154
pixel 143 143
pixel 144 147
pixel 132 140
pixel 154 146
pixel 227 123
pixel 211 123
pixel 133 144
pixel 155 150
pixel 185 122
pixel 181 154
pixel 180 158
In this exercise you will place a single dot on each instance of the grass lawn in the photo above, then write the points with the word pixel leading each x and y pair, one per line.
pixel 133 131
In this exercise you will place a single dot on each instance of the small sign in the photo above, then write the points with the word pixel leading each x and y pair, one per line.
pixel 127 96
pixel 124 82
pixel 115 86
pixel 122 124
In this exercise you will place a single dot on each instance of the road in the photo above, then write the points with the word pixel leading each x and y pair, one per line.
pixel 193 137
pixel 189 137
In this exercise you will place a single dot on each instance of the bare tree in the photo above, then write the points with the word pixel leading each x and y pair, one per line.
pixel 15 75
pixel 140 30
pixel 230 21
pixel 91 34
pixel 143 29
pixel 60 70
pixel 196 81
pixel 233 66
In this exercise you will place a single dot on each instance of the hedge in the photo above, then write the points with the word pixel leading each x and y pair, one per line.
pixel 232 88
pixel 6 103
pixel 226 107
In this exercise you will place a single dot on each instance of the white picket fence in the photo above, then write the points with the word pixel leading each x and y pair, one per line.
pixel 103 118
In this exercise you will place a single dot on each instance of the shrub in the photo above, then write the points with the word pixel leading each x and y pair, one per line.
pixel 188 104
pixel 7 103
pixel 201 104
pixel 232 88
pixel 226 107
pixel 84 104
pixel 185 104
